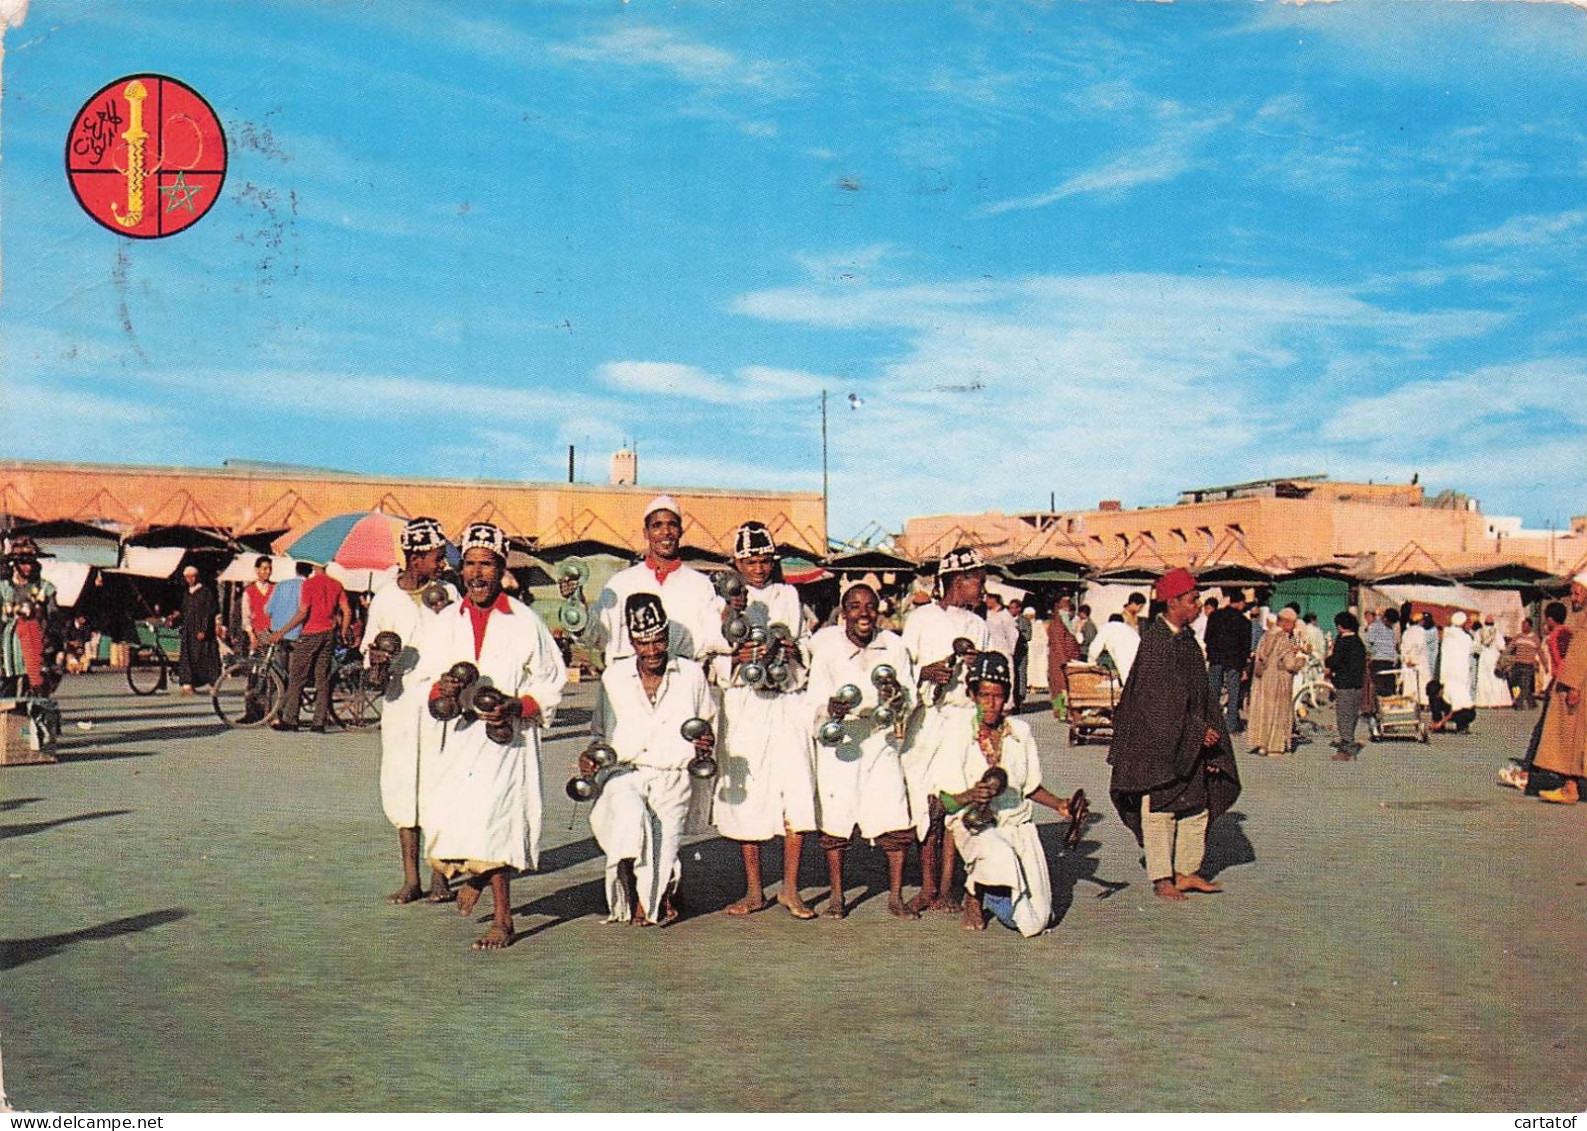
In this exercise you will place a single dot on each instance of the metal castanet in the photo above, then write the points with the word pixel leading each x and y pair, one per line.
pixel 736 628
pixel 753 673
pixel 448 707
pixel 582 788
pixel 574 614
pixel 487 700
pixel 436 597
pixel 979 818
pixel 729 584
pixel 694 729
pixel 702 765
pixel 1079 812
pixel 383 649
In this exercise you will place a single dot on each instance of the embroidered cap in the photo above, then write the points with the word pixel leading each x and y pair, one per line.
pixel 663 503
pixel 1174 583
pixel 753 539
pixel 484 535
pixel 962 560
pixel 990 667
pixel 422 535
pixel 645 617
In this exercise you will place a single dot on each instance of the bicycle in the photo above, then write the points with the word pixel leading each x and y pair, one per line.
pixel 251 692
pixel 1311 700
pixel 151 656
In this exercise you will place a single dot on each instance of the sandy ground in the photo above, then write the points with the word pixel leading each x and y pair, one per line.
pixel 193 920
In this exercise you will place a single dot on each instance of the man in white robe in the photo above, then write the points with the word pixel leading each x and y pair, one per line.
pixel 860 778
pixel 638 820
pixel 1119 642
pixel 929 637
pixel 766 785
pixel 1414 655
pixel 694 611
pixel 1005 865
pixel 483 808
pixel 399 607
pixel 1454 663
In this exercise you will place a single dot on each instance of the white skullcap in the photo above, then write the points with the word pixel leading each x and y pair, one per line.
pixel 1581 578
pixel 663 503
pixel 1458 618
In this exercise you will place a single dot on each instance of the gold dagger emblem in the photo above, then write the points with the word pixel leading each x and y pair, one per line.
pixel 135 136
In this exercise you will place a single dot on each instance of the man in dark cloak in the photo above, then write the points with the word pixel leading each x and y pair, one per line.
pixel 1173 765
pixel 199 664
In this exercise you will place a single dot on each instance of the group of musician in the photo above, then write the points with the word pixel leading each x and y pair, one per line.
pixel 718 707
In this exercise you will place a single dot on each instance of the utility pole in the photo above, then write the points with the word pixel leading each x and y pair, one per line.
pixel 825 535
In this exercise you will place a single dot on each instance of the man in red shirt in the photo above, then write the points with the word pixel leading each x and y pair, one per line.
pixel 320 603
pixel 255 620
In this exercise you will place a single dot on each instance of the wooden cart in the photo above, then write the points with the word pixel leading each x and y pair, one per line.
pixel 1093 695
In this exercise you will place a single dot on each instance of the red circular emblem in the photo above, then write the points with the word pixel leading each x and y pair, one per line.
pixel 146 156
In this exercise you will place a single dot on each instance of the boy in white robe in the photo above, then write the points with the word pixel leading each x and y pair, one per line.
pixel 860 778
pixel 483 811
pixel 766 786
pixel 1004 863
pixel 400 607
pixel 638 820
pixel 929 637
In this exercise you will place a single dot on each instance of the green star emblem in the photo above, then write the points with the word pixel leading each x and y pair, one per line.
pixel 180 194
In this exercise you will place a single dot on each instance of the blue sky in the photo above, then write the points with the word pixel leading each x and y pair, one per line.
pixel 1093 251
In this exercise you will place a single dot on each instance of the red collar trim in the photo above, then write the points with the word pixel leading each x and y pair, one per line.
pixel 662 570
pixel 500 606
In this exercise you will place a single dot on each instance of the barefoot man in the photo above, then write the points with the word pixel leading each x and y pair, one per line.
pixel 400 607
pixel 483 806
pixel 638 820
pixel 1173 766
pixel 1005 866
pixel 860 778
pixel 929 634
pixel 767 786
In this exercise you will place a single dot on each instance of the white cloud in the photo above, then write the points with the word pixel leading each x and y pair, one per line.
pixel 1527 233
pixel 750 383
pixel 688 60
pixel 999 392
pixel 1169 151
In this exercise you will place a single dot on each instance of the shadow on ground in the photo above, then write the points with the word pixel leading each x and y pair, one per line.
pixel 19 952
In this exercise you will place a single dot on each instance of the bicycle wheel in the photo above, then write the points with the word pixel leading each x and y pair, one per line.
pixel 246 695
pixel 146 670
pixel 353 702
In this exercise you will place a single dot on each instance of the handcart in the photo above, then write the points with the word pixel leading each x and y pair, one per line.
pixel 1400 715
pixel 1093 696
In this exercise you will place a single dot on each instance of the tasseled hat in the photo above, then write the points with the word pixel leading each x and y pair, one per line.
pixel 962 560
pixel 752 540
pixel 990 667
pixel 645 617
pixel 485 535
pixel 421 535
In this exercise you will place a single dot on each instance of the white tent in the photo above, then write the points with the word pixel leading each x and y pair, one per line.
pixel 1107 598
pixel 150 561
pixel 67 577
pixel 1504 604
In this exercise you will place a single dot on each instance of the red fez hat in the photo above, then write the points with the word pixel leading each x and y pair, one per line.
pixel 1173 583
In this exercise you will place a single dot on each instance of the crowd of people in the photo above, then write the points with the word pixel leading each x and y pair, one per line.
pixel 722 707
